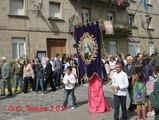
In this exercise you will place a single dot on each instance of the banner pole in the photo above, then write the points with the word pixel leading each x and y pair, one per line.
pixel 102 40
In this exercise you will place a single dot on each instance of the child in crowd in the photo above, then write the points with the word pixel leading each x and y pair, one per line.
pixel 139 91
pixel 69 81
pixel 40 77
pixel 119 85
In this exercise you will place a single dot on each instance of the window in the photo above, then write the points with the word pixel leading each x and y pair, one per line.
pixel 149 23
pixel 113 47
pixel 85 15
pixel 18 47
pixel 55 10
pixel 131 20
pixel 133 48
pixel 17 7
pixel 41 54
pixel 110 17
pixel 151 48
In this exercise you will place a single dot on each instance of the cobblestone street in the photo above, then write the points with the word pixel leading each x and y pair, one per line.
pixel 56 99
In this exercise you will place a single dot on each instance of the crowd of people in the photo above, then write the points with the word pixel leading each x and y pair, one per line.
pixel 135 75
pixel 132 74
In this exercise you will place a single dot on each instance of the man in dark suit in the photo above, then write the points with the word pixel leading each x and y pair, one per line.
pixel 129 69
pixel 140 58
pixel 5 73
pixel 48 75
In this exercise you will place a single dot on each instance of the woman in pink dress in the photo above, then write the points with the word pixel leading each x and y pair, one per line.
pixel 112 63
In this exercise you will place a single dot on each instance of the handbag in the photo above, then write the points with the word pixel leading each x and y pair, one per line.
pixel 150 85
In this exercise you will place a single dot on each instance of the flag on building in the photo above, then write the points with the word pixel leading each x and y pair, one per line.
pixel 119 2
pixel 108 27
pixel 144 3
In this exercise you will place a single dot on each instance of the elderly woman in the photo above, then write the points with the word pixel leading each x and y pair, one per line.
pixel 112 63
pixel 154 96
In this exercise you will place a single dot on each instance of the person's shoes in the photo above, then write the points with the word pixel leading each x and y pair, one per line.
pixel 131 108
pixel 2 94
pixel 150 114
pixel 42 93
pixel 125 118
pixel 153 112
pixel 35 93
pixel 15 91
pixel 57 87
pixel 73 107
pixel 9 95
pixel 54 89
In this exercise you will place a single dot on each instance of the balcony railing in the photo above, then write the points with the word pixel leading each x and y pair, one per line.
pixel 124 4
pixel 121 29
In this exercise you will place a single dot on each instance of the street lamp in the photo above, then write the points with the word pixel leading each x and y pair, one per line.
pixel 147 16
pixel 39 7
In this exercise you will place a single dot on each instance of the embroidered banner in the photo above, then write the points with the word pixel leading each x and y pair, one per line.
pixel 88 50
pixel 108 27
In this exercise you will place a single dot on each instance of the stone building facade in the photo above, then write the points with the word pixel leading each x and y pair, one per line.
pixel 30 28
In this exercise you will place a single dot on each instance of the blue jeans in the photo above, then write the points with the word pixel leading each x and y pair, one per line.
pixel 39 80
pixel 18 78
pixel 117 101
pixel 58 78
pixel 67 92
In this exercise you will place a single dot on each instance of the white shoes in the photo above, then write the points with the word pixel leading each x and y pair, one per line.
pixel 73 108
pixel 150 114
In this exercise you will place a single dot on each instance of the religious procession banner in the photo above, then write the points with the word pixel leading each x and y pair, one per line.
pixel 88 50
pixel 108 27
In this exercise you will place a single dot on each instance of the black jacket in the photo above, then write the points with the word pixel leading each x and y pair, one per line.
pixel 130 72
pixel 48 70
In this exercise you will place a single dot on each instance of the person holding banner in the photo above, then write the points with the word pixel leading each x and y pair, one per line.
pixel 89 59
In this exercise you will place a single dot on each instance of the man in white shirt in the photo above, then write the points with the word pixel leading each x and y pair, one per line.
pixel 119 85
pixel 69 81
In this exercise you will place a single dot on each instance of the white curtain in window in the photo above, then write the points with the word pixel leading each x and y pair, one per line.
pixel 113 47
pixel 151 48
pixel 21 49
pixel 14 51
pixel 85 15
pixel 133 48
pixel 18 47
pixel 131 20
pixel 110 17
pixel 16 7
pixel 55 10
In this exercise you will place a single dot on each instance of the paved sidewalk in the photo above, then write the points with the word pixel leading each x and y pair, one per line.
pixel 54 99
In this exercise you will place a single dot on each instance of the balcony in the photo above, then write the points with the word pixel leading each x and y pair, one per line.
pixel 76 20
pixel 120 30
pixel 124 4
pixel 112 3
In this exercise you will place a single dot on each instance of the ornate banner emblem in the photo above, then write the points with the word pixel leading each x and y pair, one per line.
pixel 88 48
pixel 108 27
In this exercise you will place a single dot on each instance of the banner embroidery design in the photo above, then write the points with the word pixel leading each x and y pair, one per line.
pixel 88 48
